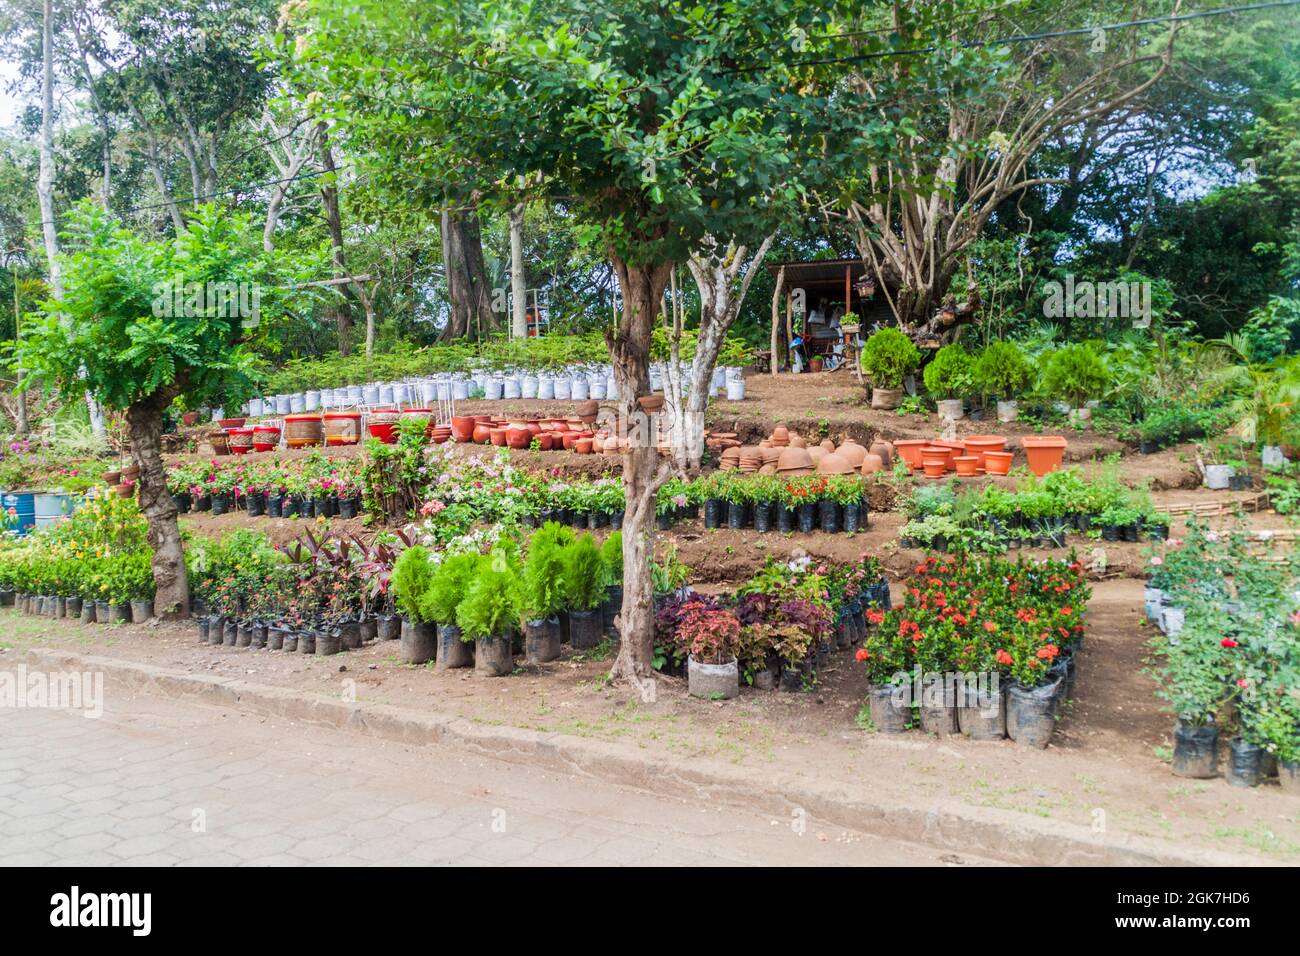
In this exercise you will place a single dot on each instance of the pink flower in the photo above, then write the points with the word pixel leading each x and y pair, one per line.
pixel 1243 683
pixel 431 507
pixel 1157 561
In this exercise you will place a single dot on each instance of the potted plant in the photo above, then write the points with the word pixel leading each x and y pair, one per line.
pixel 581 577
pixel 887 358
pixel 447 589
pixel 489 615
pixel 1075 375
pixel 412 576
pixel 711 639
pixel 611 564
pixel 543 596
pixel 948 380
pixel 1003 371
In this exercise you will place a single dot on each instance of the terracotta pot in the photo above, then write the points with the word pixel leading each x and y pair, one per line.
pixel 884 450
pixel 190 419
pixel 650 403
pixel 233 422
pixel 871 464
pixel 909 449
pixel 558 425
pixel 112 477
pixel 852 452
pixel 534 427
pixel 937 452
pixel 611 445
pixel 518 435
pixel 967 465
pixel 132 472
pixel 730 459
pixel 816 454
pixel 780 435
pixel 583 446
pixel 462 428
pixel 125 490
pixel 815 363
pixel 498 436
pixel 793 458
pixel 997 462
pixel 934 467
pixel 482 433
pixel 301 431
pixel 979 445
pixel 834 465
pixel 797 441
pixel 1045 452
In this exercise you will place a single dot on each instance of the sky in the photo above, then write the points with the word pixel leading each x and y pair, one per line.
pixel 10 105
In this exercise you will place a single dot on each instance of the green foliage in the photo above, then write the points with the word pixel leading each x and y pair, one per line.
pixel 887 357
pixel 1002 370
pixel 583 572
pixel 611 560
pixel 412 575
pixel 118 331
pixel 450 583
pixel 949 373
pixel 1075 374
pixel 493 603
pixel 543 584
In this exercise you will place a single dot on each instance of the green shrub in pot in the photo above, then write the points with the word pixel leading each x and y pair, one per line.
pixel 1003 371
pixel 1075 374
pixel 412 574
pixel 583 573
pixel 949 374
pixel 543 578
pixel 493 603
pixel 447 588
pixel 888 357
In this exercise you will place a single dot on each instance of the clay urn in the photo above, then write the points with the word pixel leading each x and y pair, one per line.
pixel 852 452
pixel 498 436
pixel 611 445
pixel 817 453
pixel 828 446
pixel 797 441
pixel 651 403
pixel 482 432
pixel 884 450
pixel 583 445
pixel 794 461
pixel 872 463
pixel 588 410
pixel 833 464
pixel 518 435
pixel 771 456
pixel 780 436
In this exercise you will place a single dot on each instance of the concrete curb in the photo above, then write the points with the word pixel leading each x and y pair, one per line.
pixel 947 825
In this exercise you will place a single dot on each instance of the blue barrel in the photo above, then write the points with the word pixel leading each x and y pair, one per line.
pixel 23 504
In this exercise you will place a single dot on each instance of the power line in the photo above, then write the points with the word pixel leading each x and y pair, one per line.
pixel 1026 38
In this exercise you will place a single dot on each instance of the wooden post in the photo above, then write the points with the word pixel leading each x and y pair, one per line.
pixel 789 327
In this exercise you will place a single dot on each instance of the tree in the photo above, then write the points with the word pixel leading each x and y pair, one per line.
pixel 147 321
pixel 657 125
pixel 971 124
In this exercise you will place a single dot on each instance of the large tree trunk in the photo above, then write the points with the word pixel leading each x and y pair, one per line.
pixel 643 473
pixel 467 283
pixel 518 287
pixel 329 195
pixel 145 427
pixel 722 292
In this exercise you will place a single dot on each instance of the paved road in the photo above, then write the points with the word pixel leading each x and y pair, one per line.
pixel 156 782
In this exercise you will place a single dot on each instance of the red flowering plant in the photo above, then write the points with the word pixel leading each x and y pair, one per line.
pixel 974 614
pixel 709 634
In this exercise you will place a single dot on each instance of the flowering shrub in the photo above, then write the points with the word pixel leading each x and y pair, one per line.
pixel 967 614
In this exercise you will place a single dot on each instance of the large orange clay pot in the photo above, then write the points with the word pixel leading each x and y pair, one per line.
pixel 518 436
pixel 967 465
pixel 482 432
pixel 1045 452
pixel 997 462
pixel 909 449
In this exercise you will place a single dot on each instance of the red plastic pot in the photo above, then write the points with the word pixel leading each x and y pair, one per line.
pixel 386 432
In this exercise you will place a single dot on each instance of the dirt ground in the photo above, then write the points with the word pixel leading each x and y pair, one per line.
pixel 1108 760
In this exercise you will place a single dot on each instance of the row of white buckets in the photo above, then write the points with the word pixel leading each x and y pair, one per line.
pixel 578 384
